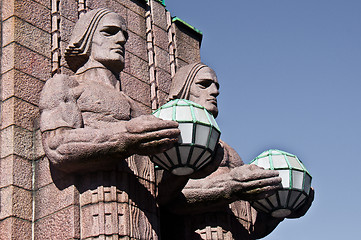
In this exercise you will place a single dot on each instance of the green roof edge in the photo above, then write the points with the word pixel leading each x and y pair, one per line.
pixel 177 19
pixel 161 1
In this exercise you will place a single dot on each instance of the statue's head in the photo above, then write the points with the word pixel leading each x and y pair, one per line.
pixel 99 35
pixel 196 82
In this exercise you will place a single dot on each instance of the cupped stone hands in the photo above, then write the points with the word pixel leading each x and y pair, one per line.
pixel 148 135
pixel 247 182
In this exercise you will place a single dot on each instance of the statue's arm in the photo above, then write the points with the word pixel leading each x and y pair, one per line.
pixel 71 146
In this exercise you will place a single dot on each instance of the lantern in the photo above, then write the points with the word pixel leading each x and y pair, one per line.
pixel 296 183
pixel 197 141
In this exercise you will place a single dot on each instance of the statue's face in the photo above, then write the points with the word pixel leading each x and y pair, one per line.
pixel 108 42
pixel 204 90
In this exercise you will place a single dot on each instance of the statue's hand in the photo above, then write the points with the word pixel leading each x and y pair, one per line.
pixel 250 182
pixel 304 208
pixel 149 135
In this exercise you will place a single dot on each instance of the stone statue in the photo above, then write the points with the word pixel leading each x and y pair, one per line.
pixel 87 122
pixel 213 203
pixel 90 127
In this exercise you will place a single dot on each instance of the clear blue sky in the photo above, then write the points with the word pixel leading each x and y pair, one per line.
pixel 290 76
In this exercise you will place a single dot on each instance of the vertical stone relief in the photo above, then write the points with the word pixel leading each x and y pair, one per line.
pixel 55 36
pixel 171 45
pixel 151 56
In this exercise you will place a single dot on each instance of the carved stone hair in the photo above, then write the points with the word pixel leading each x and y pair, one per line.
pixel 78 50
pixel 183 79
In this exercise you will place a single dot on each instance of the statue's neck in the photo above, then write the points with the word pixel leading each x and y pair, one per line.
pixel 95 71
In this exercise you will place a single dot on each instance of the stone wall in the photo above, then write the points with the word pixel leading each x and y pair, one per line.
pixel 36 201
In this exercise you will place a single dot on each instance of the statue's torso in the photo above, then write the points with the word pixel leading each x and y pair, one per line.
pixel 100 103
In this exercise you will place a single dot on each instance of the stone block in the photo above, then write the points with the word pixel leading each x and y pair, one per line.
pixel 136 23
pixel 8 58
pixel 137 46
pixel 188 36
pixel 137 6
pixel 32 63
pixel 42 173
pixel 162 59
pixel 7 9
pixel 22 86
pixel 18 112
pixel 50 199
pixel 69 9
pixel 162 98
pixel 16 202
pixel 39 15
pixel 136 89
pixel 45 3
pixel 15 171
pixel 15 140
pixel 25 34
pixel 186 52
pixel 159 15
pixel 66 27
pixel 180 63
pixel 64 224
pixel 160 38
pixel 38 146
pixel 164 80
pixel 26 61
pixel 109 4
pixel 15 229
pixel 136 67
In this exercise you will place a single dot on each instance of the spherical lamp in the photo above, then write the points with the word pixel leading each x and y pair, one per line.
pixel 296 183
pixel 198 139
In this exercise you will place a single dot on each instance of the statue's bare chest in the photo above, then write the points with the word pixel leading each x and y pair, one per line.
pixel 102 102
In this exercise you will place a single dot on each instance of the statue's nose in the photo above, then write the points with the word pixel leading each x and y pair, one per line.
pixel 121 39
pixel 214 90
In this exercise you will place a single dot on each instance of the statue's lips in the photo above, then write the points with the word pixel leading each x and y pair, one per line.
pixel 119 50
pixel 212 100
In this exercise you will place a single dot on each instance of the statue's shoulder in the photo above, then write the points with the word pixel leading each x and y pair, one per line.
pixel 57 89
pixel 62 81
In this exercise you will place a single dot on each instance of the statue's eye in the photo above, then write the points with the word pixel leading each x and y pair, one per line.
pixel 204 83
pixel 110 30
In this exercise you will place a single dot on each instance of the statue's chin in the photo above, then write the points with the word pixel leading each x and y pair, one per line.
pixel 214 110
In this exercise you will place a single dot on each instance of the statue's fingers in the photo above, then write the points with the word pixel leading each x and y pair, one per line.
pixel 260 183
pixel 244 176
pixel 151 124
pixel 260 193
pixel 159 135
pixel 156 146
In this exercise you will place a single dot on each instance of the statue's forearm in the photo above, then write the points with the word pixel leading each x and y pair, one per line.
pixel 203 195
pixel 68 148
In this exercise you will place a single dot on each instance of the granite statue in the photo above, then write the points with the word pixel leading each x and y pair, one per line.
pixel 213 202
pixel 87 122
pixel 92 130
